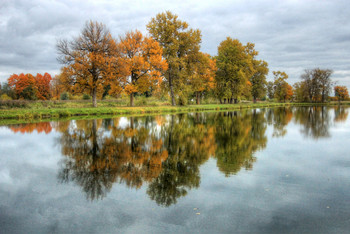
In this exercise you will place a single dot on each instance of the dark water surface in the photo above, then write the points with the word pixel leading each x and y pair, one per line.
pixel 281 170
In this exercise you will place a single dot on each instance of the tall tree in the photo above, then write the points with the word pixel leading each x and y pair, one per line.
pixel 283 91
pixel 300 92
pixel 144 63
pixel 317 84
pixel 270 90
pixel 234 69
pixel 89 58
pixel 43 85
pixel 258 80
pixel 202 74
pixel 260 70
pixel 178 42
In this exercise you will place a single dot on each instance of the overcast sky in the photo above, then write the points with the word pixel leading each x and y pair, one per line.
pixel 290 35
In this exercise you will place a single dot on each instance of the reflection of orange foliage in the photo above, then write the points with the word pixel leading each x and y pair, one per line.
pixel 29 128
pixel 289 116
pixel 341 114
pixel 160 120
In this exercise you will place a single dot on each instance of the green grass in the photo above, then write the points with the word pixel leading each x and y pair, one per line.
pixel 39 110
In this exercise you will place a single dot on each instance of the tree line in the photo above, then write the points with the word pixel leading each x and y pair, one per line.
pixel 167 63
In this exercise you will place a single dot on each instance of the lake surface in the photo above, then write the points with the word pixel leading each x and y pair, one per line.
pixel 281 170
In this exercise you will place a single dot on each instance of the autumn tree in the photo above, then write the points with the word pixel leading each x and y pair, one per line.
pixel 317 84
pixel 178 42
pixel 282 90
pixel 202 70
pixel 257 81
pixel 24 86
pixel 341 92
pixel 89 59
pixel 300 92
pixel 43 86
pixel 143 63
pixel 270 90
pixel 57 86
pixel 235 67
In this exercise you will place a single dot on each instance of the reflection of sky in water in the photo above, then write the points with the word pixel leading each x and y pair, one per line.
pixel 298 184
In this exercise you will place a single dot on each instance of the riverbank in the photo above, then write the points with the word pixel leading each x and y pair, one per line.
pixel 15 115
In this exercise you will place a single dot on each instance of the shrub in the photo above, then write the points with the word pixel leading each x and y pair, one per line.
pixel 86 96
pixel 64 96
pixel 5 97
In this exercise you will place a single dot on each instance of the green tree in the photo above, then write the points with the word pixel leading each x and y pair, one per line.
pixel 270 90
pixel 258 80
pixel 178 42
pixel 300 92
pixel 235 67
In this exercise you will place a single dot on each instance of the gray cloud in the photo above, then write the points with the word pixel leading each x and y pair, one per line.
pixel 290 35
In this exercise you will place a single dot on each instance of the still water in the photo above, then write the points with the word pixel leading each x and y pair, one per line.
pixel 281 170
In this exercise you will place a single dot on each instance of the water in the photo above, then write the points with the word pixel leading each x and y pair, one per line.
pixel 281 170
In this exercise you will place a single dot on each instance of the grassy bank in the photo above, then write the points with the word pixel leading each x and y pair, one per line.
pixel 46 111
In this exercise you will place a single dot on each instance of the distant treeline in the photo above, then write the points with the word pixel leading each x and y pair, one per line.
pixel 166 64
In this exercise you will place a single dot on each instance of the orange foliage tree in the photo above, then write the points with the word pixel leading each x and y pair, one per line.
pixel 43 86
pixel 24 86
pixel 89 59
pixel 143 63
pixel 341 92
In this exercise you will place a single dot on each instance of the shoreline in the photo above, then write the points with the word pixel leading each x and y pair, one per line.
pixel 26 115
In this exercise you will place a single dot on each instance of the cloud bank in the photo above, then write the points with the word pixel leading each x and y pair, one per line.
pixel 290 35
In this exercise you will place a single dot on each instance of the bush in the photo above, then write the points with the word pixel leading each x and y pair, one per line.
pixel 64 96
pixel 13 103
pixel 5 97
pixel 86 96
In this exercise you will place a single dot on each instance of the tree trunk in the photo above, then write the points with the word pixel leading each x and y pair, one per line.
pixel 224 100
pixel 236 100
pixel 220 100
pixel 197 98
pixel 132 99
pixel 173 103
pixel 94 94
pixel 254 99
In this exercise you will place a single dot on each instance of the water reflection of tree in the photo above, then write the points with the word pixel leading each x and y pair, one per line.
pixel 340 114
pixel 164 152
pixel 98 157
pixel 189 141
pixel 30 127
pixel 279 117
pixel 315 121
pixel 238 135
